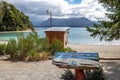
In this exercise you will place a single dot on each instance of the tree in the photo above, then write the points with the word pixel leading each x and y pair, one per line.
pixel 1 11
pixel 11 19
pixel 108 30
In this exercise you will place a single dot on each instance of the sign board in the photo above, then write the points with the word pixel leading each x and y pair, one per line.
pixel 76 60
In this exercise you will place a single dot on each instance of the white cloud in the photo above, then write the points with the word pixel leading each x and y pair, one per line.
pixel 36 9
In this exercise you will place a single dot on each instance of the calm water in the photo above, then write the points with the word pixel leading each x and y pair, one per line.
pixel 76 35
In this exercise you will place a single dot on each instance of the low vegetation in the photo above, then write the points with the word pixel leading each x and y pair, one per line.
pixel 95 74
pixel 31 48
pixel 2 49
pixel 67 75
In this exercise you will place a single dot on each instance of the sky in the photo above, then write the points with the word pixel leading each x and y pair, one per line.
pixel 36 9
pixel 74 1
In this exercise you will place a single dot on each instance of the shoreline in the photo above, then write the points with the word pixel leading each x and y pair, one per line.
pixel 94 44
pixel 114 42
pixel 15 31
pixel 97 44
pixel 79 44
pixel 3 41
pixel 29 30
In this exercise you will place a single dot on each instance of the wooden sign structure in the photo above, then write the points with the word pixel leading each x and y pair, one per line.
pixel 78 61
pixel 59 33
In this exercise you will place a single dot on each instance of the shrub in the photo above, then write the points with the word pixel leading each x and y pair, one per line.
pixel 56 46
pixel 68 49
pixel 2 49
pixel 33 48
pixel 95 74
pixel 67 75
pixel 43 45
pixel 32 56
pixel 44 55
pixel 27 47
pixel 11 47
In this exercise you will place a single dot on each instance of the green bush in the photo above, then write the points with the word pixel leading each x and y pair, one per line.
pixel 67 75
pixel 95 74
pixel 27 48
pixel 11 47
pixel 43 45
pixel 56 46
pixel 2 49
pixel 68 49
pixel 32 56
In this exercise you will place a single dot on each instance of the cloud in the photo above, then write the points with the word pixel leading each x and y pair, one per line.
pixel 36 9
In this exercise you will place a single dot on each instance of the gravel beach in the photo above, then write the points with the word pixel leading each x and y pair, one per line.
pixel 42 70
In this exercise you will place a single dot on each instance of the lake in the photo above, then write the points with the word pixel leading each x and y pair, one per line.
pixel 76 36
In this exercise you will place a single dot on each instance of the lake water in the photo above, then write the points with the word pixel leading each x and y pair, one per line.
pixel 76 35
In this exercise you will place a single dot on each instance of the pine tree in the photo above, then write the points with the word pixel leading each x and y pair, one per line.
pixel 108 30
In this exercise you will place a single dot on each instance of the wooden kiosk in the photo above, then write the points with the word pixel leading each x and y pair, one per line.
pixel 60 33
pixel 78 61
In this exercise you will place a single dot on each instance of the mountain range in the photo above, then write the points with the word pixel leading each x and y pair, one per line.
pixel 68 22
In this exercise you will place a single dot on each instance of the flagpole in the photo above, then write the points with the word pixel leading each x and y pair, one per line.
pixel 49 13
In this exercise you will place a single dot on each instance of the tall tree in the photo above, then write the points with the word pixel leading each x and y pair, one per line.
pixel 108 29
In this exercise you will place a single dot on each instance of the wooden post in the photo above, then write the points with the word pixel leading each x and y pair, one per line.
pixel 79 74
pixel 50 19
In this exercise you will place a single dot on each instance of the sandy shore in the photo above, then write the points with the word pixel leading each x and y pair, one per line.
pixel 105 51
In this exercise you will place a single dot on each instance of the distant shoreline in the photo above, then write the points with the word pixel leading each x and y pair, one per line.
pixel 59 26
pixel 16 31
pixel 104 43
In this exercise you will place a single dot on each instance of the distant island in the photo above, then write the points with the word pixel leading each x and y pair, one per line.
pixel 68 22
pixel 11 19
